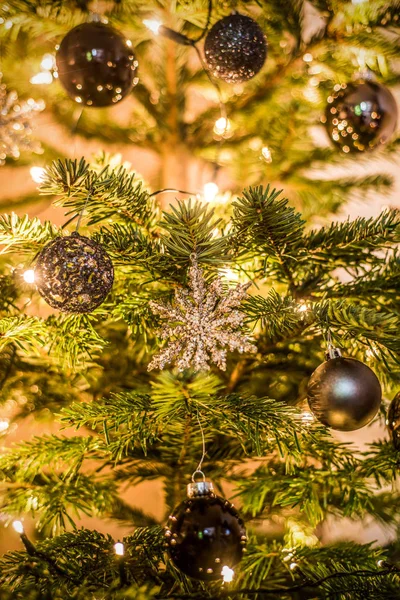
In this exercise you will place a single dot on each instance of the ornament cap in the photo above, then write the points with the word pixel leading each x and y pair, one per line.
pixel 199 488
pixel 332 352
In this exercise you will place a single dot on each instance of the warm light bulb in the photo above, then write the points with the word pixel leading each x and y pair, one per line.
pixel 119 549
pixel 4 425
pixel 222 125
pixel 37 174
pixel 42 78
pixel 227 574
pixel 48 62
pixel 266 154
pixel 293 566
pixel 307 417
pixel 19 528
pixel 29 276
pixel 153 25
pixel 211 189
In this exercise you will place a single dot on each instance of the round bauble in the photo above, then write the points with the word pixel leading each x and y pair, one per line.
pixel 205 534
pixel 74 274
pixel 344 394
pixel 361 116
pixel 393 421
pixel 96 65
pixel 235 48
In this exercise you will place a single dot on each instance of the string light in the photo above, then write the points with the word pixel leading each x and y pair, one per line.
pixel 42 78
pixel 18 526
pixel 48 62
pixel 308 57
pixel 153 25
pixel 37 174
pixel 227 574
pixel 29 276
pixel 222 125
pixel 293 566
pixel 266 154
pixel 210 191
pixel 307 417
pixel 4 425
pixel 119 549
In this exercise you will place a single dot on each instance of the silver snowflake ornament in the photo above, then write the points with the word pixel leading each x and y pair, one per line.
pixel 201 324
pixel 16 123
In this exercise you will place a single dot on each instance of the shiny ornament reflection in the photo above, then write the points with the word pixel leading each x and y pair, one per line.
pixel 344 394
pixel 205 537
pixel 96 65
pixel 235 48
pixel 360 116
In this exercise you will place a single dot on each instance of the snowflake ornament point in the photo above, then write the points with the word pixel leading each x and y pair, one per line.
pixel 201 324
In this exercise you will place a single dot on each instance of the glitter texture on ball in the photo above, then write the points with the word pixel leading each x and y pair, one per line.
pixel 74 274
pixel 235 48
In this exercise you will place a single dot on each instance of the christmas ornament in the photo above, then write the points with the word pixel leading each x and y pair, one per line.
pixel 16 119
pixel 205 535
pixel 360 116
pixel 235 48
pixel 393 421
pixel 96 65
pixel 343 393
pixel 74 274
pixel 201 323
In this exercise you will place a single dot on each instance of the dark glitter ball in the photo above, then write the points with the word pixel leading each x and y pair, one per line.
pixel 203 535
pixel 360 116
pixel 235 48
pixel 96 66
pixel 74 274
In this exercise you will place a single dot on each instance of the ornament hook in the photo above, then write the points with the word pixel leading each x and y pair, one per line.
pixel 195 473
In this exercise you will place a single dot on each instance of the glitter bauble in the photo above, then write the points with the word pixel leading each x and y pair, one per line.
pixel 344 394
pixel 235 48
pixel 205 534
pixel 393 421
pixel 361 116
pixel 96 65
pixel 74 274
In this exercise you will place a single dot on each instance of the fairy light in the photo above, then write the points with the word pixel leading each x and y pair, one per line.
pixel 119 549
pixel 307 417
pixel 227 574
pixel 153 25
pixel 29 276
pixel 308 57
pixel 210 191
pixel 293 566
pixel 18 526
pixel 222 125
pixel 266 154
pixel 37 174
pixel 229 274
pixel 4 425
pixel 42 78
pixel 48 62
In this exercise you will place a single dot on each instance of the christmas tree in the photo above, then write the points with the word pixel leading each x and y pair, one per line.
pixel 155 334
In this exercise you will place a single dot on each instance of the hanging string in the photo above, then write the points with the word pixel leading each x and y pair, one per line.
pixel 163 191
pixel 82 211
pixel 199 466
pixel 203 33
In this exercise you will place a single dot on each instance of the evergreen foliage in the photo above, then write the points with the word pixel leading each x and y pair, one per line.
pixel 121 426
